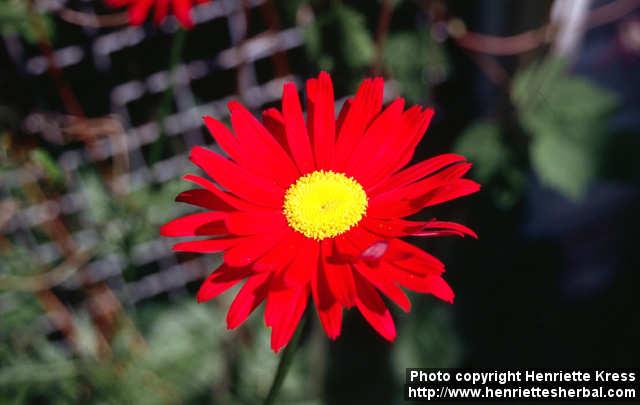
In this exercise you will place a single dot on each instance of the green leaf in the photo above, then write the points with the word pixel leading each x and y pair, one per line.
pixel 43 159
pixel 16 18
pixel 566 117
pixel 494 163
pixel 564 164
pixel 339 36
pixel 481 143
pixel 416 62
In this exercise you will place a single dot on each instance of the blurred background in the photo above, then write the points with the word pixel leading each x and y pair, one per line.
pixel 97 118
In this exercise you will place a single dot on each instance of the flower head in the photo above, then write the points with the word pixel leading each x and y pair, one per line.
pixel 139 9
pixel 316 208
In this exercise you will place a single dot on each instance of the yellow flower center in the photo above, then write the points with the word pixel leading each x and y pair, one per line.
pixel 324 204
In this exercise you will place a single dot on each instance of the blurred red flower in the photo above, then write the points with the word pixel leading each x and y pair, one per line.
pixel 139 9
pixel 316 208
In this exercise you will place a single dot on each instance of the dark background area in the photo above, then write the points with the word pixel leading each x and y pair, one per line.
pixel 97 120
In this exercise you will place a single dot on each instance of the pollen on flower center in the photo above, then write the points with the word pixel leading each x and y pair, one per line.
pixel 324 204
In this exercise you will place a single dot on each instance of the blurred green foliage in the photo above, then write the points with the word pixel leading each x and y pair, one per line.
pixel 133 218
pixel 176 361
pixel 184 355
pixel 566 117
pixel 19 261
pixel 17 18
pixel 482 144
pixel 428 339
pixel 495 164
pixel 416 62
pixel 49 166
pixel 339 40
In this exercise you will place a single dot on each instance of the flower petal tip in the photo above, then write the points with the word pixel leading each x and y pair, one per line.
pixel 200 296
pixel 234 105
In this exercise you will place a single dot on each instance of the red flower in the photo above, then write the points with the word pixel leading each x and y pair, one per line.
pixel 139 9
pixel 316 208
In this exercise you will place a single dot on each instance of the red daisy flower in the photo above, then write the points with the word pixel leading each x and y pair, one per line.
pixel 316 208
pixel 139 9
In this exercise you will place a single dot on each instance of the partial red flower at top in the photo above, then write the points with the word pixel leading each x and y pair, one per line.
pixel 139 9
pixel 316 208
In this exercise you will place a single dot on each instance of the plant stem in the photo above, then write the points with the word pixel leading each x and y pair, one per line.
pixel 285 364
pixel 68 98
pixel 386 10
pixel 165 105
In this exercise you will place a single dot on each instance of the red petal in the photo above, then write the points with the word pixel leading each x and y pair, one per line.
pixel 181 9
pixel 206 245
pixel 329 311
pixel 251 294
pixel 339 276
pixel 409 130
pixel 296 132
pixel 379 277
pixel 249 249
pixel 252 157
pixel 283 312
pixel 414 128
pixel 305 263
pixel 223 137
pixel 444 228
pixel 375 252
pixel 203 198
pixel 118 3
pixel 412 259
pixel 354 243
pixel 405 206
pixel 254 222
pixel 273 120
pixel 138 11
pixel 373 309
pixel 441 289
pixel 191 225
pixel 281 254
pixel 396 228
pixel 412 198
pixel 236 179
pixel 416 172
pixel 223 278
pixel 391 228
pixel 443 177
pixel 221 195
pixel 321 119
pixel 259 146
pixel 448 192
pixel 162 8
pixel 360 163
pixel 366 104
pixel 426 285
